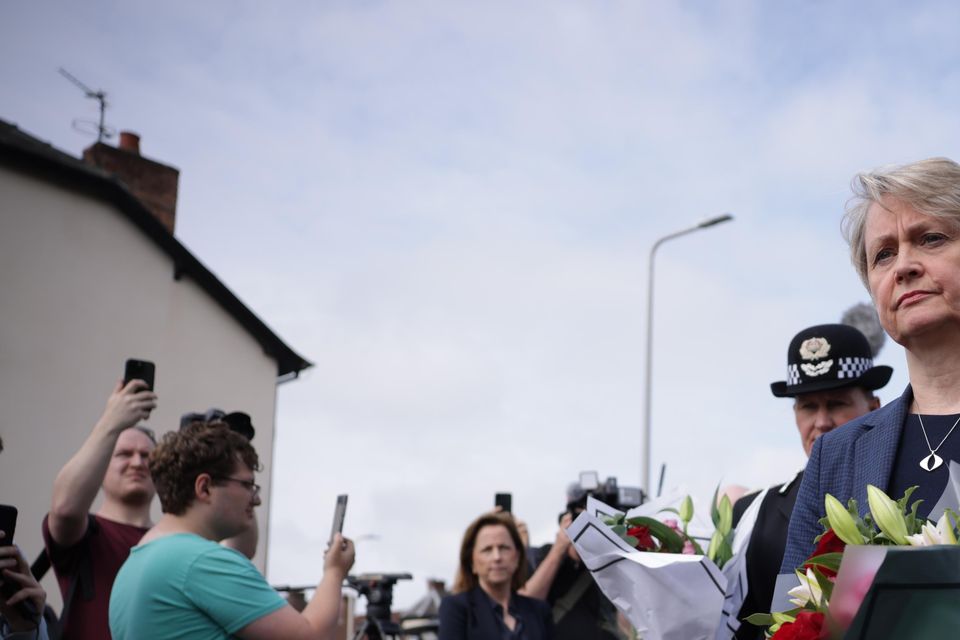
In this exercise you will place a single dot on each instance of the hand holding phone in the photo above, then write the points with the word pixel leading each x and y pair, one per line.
pixel 27 609
pixel 139 370
pixel 339 513
pixel 8 524
pixel 504 501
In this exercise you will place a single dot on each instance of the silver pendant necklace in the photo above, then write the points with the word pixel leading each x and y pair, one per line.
pixel 932 461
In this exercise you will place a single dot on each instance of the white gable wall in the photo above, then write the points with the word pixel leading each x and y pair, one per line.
pixel 81 290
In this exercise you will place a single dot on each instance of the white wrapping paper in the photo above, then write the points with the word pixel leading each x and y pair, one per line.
pixel 665 596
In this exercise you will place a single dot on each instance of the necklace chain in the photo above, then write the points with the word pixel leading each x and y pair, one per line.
pixel 924 431
pixel 933 461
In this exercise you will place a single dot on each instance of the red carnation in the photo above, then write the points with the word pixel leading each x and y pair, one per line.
pixel 807 626
pixel 829 543
pixel 645 541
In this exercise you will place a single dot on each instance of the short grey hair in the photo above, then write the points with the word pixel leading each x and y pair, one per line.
pixel 930 186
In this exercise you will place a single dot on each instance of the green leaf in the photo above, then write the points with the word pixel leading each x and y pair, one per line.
pixel 828 560
pixel 715 508
pixel 782 617
pixel 669 539
pixel 904 501
pixel 760 619
pixel 826 588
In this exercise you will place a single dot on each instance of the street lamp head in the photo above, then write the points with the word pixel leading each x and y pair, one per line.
pixel 709 222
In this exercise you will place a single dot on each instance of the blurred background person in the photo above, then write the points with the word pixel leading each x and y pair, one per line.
pixel 85 549
pixel 14 624
pixel 485 604
pixel 579 609
pixel 831 379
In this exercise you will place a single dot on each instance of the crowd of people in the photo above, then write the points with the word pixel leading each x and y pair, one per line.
pixel 189 574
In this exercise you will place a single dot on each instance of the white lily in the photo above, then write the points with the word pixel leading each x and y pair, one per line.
pixel 807 591
pixel 930 535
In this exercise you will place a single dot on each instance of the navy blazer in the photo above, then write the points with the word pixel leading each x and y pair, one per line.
pixel 842 463
pixel 470 616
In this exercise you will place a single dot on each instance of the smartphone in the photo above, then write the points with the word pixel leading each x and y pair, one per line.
pixel 339 512
pixel 139 370
pixel 8 523
pixel 504 501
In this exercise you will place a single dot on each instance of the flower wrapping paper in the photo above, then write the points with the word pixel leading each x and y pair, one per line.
pixel 665 596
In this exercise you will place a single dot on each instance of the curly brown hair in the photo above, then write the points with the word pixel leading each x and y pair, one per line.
pixel 199 448
pixel 466 579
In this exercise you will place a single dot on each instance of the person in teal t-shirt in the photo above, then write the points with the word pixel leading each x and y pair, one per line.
pixel 179 583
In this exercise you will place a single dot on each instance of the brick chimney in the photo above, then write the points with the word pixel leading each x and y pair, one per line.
pixel 154 184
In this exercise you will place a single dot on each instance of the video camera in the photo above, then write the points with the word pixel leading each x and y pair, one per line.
pixel 608 492
pixel 377 588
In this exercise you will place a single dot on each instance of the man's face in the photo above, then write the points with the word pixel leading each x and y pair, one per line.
pixel 128 476
pixel 823 411
pixel 235 499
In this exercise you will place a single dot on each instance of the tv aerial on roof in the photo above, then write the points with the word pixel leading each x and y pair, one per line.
pixel 86 126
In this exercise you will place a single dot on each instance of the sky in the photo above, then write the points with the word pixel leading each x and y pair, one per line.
pixel 448 207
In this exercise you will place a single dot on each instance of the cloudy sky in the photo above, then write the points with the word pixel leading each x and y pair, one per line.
pixel 448 207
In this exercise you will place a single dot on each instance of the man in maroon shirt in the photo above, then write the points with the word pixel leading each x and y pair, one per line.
pixel 87 550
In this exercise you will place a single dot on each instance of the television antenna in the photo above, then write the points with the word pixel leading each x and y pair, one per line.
pixel 103 131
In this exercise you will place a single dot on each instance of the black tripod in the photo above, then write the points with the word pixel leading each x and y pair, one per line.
pixel 377 588
pixel 374 629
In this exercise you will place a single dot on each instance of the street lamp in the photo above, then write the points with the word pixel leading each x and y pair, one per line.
pixel 645 470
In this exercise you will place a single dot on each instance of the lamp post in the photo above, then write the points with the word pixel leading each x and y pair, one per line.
pixel 645 467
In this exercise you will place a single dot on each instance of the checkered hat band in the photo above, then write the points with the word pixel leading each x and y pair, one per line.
pixel 848 369
pixel 853 367
pixel 793 375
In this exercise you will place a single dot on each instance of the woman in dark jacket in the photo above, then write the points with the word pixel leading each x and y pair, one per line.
pixel 485 604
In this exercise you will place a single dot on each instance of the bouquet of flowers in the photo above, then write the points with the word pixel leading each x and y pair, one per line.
pixel 645 533
pixel 889 522
pixel 655 571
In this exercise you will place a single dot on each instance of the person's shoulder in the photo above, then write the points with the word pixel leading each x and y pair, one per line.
pixel 531 603
pixel 884 417
pixel 182 545
pixel 742 504
pixel 456 599
pixel 454 607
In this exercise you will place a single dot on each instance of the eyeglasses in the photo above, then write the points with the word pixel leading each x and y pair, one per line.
pixel 249 484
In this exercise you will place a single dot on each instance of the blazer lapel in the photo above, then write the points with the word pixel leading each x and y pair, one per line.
pixel 876 450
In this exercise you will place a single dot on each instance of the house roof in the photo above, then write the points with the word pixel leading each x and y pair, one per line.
pixel 22 152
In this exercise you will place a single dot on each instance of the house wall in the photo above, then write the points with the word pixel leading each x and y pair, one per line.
pixel 81 290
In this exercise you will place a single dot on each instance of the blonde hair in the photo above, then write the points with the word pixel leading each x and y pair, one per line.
pixel 930 186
